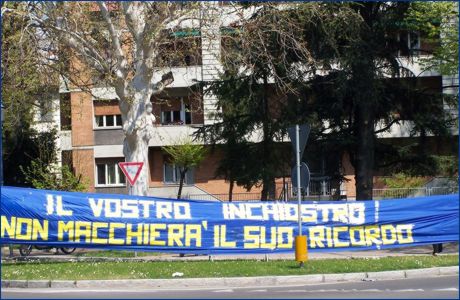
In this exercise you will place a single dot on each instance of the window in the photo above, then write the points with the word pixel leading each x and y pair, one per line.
pixel 45 110
pixel 65 112
pixel 172 175
pixel 182 49
pixel 414 41
pixel 188 114
pixel 99 121
pixel 108 121
pixel 169 174
pixel 177 117
pixel 109 174
pixel 411 40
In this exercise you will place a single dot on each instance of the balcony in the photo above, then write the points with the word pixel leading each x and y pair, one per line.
pixel 171 134
pixel 109 142
pixel 65 140
pixel 183 76
pixel 414 66
pixel 396 130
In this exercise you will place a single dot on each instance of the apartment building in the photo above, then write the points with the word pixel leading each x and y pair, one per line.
pixel 91 135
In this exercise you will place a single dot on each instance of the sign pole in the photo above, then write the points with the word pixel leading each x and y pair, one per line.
pixel 300 240
pixel 297 156
pixel 132 170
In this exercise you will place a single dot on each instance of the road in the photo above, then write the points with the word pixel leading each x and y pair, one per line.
pixel 442 287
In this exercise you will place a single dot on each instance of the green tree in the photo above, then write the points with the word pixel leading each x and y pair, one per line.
pixel 338 67
pixel 125 45
pixel 26 86
pixel 185 155
pixel 52 177
pixel 401 180
pixel 371 92
pixel 259 103
pixel 437 22
pixel 43 171
pixel 238 164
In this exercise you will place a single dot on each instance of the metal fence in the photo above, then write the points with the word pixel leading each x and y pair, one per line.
pixel 412 192
pixel 225 197
pixel 378 194
pixel 317 186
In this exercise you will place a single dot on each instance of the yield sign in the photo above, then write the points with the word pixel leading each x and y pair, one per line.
pixel 131 170
pixel 304 132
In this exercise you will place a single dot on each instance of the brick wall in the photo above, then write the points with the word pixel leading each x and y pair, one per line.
pixel 349 174
pixel 102 108
pixel 82 136
pixel 155 167
pixel 205 177
pixel 83 163
pixel 82 119
pixel 204 174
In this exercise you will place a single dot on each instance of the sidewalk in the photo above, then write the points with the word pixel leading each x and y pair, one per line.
pixel 448 248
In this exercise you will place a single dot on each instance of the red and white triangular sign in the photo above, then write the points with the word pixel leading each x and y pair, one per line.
pixel 131 170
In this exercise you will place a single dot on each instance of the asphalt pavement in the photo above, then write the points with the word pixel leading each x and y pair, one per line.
pixel 441 287
pixel 418 285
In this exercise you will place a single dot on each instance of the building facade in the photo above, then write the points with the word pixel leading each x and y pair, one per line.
pixel 91 135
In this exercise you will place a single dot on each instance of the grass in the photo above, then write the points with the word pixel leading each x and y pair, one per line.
pixel 115 253
pixel 191 269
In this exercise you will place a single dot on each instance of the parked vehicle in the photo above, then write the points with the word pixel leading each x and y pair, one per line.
pixel 25 250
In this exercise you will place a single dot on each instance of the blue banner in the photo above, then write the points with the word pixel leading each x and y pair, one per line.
pixel 66 219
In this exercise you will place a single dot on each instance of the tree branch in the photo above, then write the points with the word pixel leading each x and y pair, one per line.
pixel 76 42
pixel 135 20
pixel 388 126
pixel 122 63
pixel 166 80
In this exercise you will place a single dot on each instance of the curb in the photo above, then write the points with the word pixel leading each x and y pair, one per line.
pixel 233 281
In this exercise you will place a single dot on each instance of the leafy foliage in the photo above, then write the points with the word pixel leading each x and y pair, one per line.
pixel 447 165
pixel 437 21
pixel 43 172
pixel 402 180
pixel 52 177
pixel 26 91
pixel 20 149
pixel 185 155
pixel 258 90
pixel 370 93
pixel 335 66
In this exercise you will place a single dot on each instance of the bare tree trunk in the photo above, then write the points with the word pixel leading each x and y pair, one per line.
pixel 267 179
pixel 366 93
pixel 365 151
pixel 136 149
pixel 230 190
pixel 138 132
pixel 181 183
